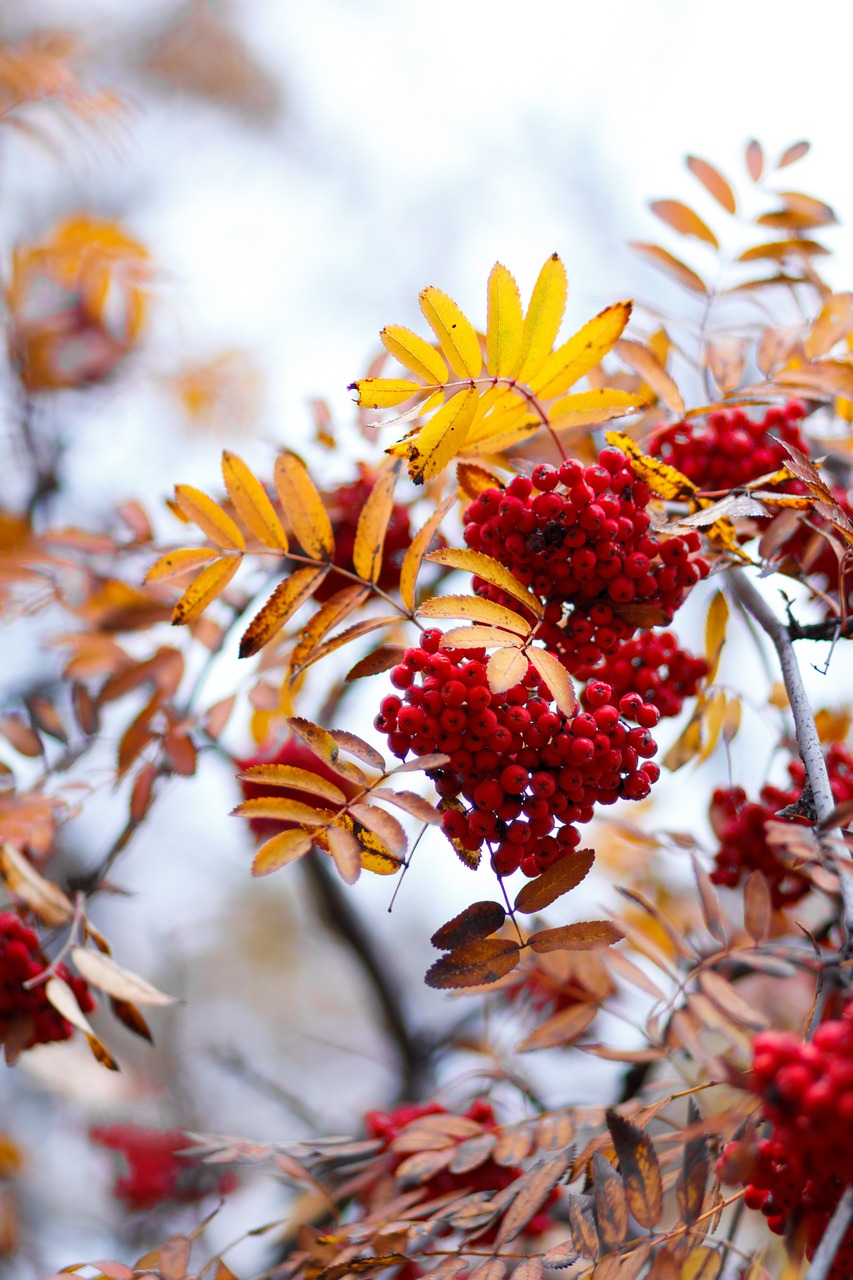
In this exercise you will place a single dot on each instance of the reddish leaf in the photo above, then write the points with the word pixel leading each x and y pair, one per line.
pixel 475 922
pixel 474 964
pixel 713 182
pixel 585 936
pixel 554 882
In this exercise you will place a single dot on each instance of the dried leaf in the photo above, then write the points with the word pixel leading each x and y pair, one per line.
pixel 41 895
pixel 303 507
pixel 287 775
pixel 474 964
pixel 560 1255
pixel 554 1131
pixel 543 318
pixel 455 333
pixel 693 1178
pixel 472 1153
pixel 475 922
pixel 554 882
pixel 683 219
pixel 560 1029
pixel 702 1263
pixel 646 364
pixel 415 354
pixel 418 548
pixel 252 503
pixel 476 609
pixel 410 802
pixel 532 1268
pixel 491 571
pixel 583 1227
pixel 505 669
pixel 672 266
pixel 357 747
pixel 286 599
pixel 611 1209
pixel 174 564
pixel 104 973
pixel 723 995
pixel 385 826
pixel 513 1145
pixel 639 1170
pixel 712 912
pixel 532 1190
pixel 209 517
pixel 715 633
pixel 174 1258
pixel 204 589
pixel 129 1016
pixel 373 525
pixel 588 935
pixel 713 182
pixel 380 659
pixel 286 847
pixel 556 677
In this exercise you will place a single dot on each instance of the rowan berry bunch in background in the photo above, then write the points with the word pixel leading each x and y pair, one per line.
pixel 156 1175
pixel 741 827
pixel 525 769
pixel 27 1017
pixel 803 1165
pixel 345 505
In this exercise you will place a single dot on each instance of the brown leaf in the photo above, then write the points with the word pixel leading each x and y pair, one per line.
pixel 560 1029
pixel 702 1263
pixel 288 596
pixel 639 1169
pixel 373 524
pixel 410 802
pixel 693 1178
pixel 684 220
pixel 473 1153
pixel 672 266
pixel 474 964
pixel 713 182
pixel 554 1131
pixel 712 912
pixel 583 1227
pixel 357 747
pixel 29 886
pixel 24 739
pixel 584 936
pixel 424 1165
pixel 611 1209
pixel 380 659
pixel 532 1190
pixel 532 1268
pixel 754 159
pixel 723 995
pixel 476 922
pixel 560 1255
pixel 174 1258
pixel 554 882
pixel 757 906
pixel 330 613
pixel 129 1016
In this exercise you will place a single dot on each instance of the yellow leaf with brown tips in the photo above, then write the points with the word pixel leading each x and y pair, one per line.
pixel 438 442
pixel 303 506
pixel 252 503
pixel 373 525
pixel 384 393
pixel 491 570
pixel 475 609
pixel 288 596
pixel 455 333
pixel 581 352
pixel 174 564
pixel 543 318
pixel 418 548
pixel 204 589
pixel 209 517
pixel 415 353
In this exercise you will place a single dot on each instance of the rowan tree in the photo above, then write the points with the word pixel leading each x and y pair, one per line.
pixel 503 579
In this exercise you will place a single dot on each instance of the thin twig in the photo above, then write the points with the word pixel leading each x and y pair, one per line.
pixel 832 1238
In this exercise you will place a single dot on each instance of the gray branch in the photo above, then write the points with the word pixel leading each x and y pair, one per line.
pixel 832 1238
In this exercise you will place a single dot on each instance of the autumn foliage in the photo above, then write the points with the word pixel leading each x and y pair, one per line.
pixel 547 617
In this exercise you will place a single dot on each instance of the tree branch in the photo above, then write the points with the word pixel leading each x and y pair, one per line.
pixel 832 1238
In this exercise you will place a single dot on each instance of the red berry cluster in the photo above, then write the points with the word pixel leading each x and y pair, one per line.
pixel 740 826
pixel 652 665
pixel 580 538
pixel 27 1014
pixel 488 1176
pixel 156 1174
pixel 731 449
pixel 804 1165
pixel 344 506
pixel 528 772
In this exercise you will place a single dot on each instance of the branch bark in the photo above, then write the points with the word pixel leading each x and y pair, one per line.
pixel 832 1238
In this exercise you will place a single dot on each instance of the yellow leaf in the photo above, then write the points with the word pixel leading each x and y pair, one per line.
pixel 373 524
pixel 174 564
pixel 303 506
pixel 687 746
pixel 415 353
pixel 477 637
pixel 294 778
pixel 440 440
pixel 473 479
pixel 282 604
pixel 455 333
pixel 712 722
pixel 599 405
pixel 682 218
pixel 505 326
pixel 251 502
pixel 556 677
pixel 286 847
pixel 281 809
pixel 476 609
pixel 204 589
pixel 418 548
pixel 544 317
pixel 581 352
pixel 731 721
pixel 505 669
pixel 663 480
pixel 209 517
pixel 715 633
pixel 383 393
pixel 491 570
pixel 507 414
pixel 647 365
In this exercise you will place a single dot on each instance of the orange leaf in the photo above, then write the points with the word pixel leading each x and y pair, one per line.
pixel 251 502
pixel 25 883
pixel 642 361
pixel 476 922
pixel 556 677
pixel 683 219
pixel 585 936
pixel 639 1168
pixel 288 596
pixel 303 506
pixel 474 964
pixel 174 564
pixel 418 548
pixel 330 613
pixel 373 525
pixel 560 1029
pixel 713 182
pixel 204 589
pixel 346 853
pixel 754 159
pixel 554 882
pixel 476 609
pixel 286 847
pixel 775 250
pixel 281 809
pixel 491 570
pixel 209 517
pixel 793 153
pixel 672 266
